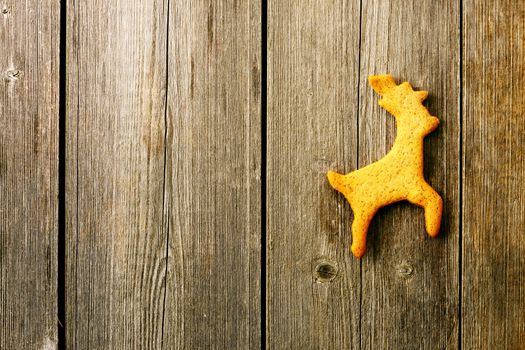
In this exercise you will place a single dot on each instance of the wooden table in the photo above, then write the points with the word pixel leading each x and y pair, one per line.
pixel 162 175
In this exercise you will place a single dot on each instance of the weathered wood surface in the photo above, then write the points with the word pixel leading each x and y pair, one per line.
pixel 115 232
pixel 162 175
pixel 410 281
pixel 213 167
pixel 29 91
pixel 493 283
pixel 313 50
pixel 405 294
pixel 163 163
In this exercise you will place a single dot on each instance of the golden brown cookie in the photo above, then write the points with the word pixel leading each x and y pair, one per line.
pixel 399 175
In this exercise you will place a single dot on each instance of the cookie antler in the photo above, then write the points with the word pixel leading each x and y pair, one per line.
pixel 381 83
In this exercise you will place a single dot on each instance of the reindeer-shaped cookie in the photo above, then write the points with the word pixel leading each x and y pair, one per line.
pixel 399 175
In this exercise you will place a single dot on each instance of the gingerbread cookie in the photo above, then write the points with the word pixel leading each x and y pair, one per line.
pixel 399 175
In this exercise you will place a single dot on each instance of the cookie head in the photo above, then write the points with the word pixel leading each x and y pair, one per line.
pixel 404 103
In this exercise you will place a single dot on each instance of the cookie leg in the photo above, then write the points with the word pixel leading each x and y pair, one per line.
pixel 431 201
pixel 359 230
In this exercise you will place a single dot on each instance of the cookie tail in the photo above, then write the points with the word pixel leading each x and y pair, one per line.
pixel 337 181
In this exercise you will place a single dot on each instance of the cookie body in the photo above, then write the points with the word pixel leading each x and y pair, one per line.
pixel 399 175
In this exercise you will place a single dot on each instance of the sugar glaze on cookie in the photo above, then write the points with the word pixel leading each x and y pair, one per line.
pixel 399 175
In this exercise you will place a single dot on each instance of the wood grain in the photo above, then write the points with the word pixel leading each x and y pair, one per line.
pixel 493 297
pixel 213 188
pixel 410 281
pixel 313 280
pixel 115 234
pixel 163 175
pixel 29 88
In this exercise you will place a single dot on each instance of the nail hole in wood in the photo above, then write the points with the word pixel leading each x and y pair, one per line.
pixel 14 74
pixel 325 272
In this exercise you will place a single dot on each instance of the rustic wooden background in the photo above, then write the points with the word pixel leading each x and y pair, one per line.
pixel 162 175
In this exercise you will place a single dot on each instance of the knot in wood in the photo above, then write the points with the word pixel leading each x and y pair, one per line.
pixel 325 272
pixel 405 270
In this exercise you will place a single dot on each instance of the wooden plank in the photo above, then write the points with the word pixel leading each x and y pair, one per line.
pixel 29 89
pixel 213 187
pixel 115 236
pixel 493 297
pixel 313 280
pixel 410 281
